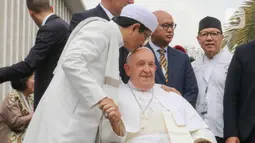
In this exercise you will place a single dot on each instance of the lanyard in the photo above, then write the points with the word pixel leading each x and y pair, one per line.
pixel 214 66
pixel 205 105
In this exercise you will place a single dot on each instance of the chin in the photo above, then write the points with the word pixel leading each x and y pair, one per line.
pixel 168 40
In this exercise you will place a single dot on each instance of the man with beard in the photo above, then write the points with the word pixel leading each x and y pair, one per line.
pixel 173 66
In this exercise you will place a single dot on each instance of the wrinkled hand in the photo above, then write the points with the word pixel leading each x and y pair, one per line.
pixel 233 140
pixel 31 114
pixel 111 110
pixel 170 89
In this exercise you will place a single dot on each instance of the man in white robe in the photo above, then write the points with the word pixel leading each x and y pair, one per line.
pixel 211 71
pixel 86 76
pixel 152 115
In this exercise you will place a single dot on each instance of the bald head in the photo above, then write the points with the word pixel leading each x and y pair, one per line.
pixel 161 15
pixel 115 6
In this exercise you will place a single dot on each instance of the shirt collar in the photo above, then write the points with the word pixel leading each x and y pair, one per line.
pixel 131 85
pixel 118 32
pixel 156 48
pixel 108 13
pixel 215 57
pixel 46 18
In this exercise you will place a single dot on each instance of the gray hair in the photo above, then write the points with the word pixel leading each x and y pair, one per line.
pixel 138 49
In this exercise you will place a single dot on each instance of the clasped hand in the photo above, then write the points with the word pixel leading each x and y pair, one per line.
pixel 110 110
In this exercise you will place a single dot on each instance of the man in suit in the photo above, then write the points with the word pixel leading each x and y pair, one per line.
pixel 239 97
pixel 43 56
pixel 107 9
pixel 173 67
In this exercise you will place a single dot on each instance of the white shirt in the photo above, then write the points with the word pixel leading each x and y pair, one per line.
pixel 155 49
pixel 211 77
pixel 46 18
pixel 108 13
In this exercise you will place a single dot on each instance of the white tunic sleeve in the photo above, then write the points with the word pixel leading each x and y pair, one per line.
pixel 203 135
pixel 86 46
pixel 107 134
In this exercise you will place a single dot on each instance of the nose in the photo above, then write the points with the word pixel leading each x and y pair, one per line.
pixel 146 68
pixel 209 37
pixel 170 30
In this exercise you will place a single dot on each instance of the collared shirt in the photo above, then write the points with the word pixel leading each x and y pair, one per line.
pixel 211 76
pixel 155 49
pixel 46 18
pixel 108 13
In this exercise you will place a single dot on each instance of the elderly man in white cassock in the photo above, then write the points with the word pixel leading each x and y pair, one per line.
pixel 152 115
pixel 86 77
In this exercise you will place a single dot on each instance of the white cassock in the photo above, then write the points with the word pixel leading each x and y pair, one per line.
pixel 211 77
pixel 88 71
pixel 168 118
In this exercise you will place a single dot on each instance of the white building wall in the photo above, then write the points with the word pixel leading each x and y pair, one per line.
pixel 18 31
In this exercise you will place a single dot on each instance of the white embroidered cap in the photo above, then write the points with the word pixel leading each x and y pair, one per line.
pixel 140 14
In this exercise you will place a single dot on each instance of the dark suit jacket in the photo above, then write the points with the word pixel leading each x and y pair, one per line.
pixel 42 58
pixel 99 12
pixel 180 74
pixel 239 96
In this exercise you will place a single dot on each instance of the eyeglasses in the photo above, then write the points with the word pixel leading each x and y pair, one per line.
pixel 212 34
pixel 166 26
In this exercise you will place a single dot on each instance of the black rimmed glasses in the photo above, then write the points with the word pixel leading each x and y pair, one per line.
pixel 166 26
pixel 213 35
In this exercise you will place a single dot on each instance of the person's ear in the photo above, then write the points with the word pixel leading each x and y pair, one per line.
pixel 221 37
pixel 198 39
pixel 155 67
pixel 134 27
pixel 31 13
pixel 127 69
pixel 51 9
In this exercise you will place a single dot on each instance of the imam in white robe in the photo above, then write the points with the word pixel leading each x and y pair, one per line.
pixel 88 67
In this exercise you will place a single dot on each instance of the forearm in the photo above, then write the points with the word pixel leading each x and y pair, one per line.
pixel 20 123
pixel 16 71
pixel 203 136
pixel 118 128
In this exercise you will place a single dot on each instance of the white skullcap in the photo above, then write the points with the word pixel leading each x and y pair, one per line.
pixel 140 14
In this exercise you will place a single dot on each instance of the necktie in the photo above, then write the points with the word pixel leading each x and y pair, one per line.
pixel 163 62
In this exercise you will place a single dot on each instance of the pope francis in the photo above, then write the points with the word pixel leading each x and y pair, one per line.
pixel 152 115
pixel 87 74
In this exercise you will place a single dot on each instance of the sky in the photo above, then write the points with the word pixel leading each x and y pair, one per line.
pixel 187 14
